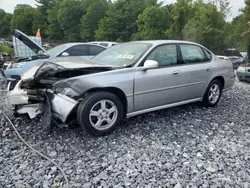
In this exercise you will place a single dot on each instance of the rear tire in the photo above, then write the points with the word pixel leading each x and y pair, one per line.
pixel 213 94
pixel 100 113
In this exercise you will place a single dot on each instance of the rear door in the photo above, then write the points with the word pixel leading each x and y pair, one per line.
pixel 196 70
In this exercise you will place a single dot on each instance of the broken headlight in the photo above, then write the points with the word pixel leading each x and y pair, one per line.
pixel 47 70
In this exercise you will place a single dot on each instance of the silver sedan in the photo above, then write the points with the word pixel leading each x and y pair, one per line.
pixel 126 80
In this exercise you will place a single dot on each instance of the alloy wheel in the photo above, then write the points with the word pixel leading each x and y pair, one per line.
pixel 214 93
pixel 103 115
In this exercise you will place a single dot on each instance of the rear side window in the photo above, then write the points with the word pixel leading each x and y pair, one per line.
pixel 192 54
pixel 94 50
pixel 79 50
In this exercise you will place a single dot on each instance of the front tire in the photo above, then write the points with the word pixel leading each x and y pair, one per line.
pixel 213 94
pixel 100 113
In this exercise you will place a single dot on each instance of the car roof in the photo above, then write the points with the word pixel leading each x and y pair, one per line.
pixel 158 42
pixel 80 43
pixel 103 42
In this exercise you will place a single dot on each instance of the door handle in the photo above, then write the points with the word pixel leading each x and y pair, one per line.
pixel 209 69
pixel 177 72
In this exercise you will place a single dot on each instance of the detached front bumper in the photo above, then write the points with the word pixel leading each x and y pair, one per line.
pixel 18 100
pixel 61 106
pixel 24 101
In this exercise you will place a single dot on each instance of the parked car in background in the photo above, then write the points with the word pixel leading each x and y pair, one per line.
pixel 15 70
pixel 235 57
pixel 244 54
pixel 243 72
pixel 123 81
pixel 104 43
pixel 47 46
pixel 223 57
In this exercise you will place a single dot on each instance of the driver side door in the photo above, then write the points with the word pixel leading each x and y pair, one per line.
pixel 162 85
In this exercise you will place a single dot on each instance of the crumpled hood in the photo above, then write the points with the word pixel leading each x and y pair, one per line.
pixel 68 67
pixel 75 62
pixel 34 68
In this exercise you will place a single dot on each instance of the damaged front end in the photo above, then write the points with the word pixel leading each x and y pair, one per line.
pixel 20 100
pixel 39 101
pixel 35 95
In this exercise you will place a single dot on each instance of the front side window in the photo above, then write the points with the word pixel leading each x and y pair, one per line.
pixel 192 54
pixel 165 55
pixel 79 50
pixel 122 55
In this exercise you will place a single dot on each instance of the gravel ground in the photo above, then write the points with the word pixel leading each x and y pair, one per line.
pixel 187 146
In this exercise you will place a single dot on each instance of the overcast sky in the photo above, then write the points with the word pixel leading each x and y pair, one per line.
pixel 9 5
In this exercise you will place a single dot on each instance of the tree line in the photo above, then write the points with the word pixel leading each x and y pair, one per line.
pixel 200 21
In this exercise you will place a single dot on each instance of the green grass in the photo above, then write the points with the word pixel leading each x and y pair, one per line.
pixel 7 49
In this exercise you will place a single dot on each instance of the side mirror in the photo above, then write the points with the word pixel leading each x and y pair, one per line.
pixel 65 54
pixel 150 64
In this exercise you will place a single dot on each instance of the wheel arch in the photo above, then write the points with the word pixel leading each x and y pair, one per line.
pixel 221 79
pixel 114 90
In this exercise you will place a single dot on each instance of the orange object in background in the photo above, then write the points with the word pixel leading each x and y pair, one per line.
pixel 38 34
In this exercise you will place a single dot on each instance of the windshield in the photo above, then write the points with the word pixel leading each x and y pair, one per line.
pixel 57 49
pixel 122 55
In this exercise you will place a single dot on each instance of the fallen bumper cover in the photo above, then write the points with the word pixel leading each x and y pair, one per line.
pixel 61 106
pixel 18 100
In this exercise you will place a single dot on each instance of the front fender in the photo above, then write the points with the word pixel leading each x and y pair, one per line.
pixel 121 79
